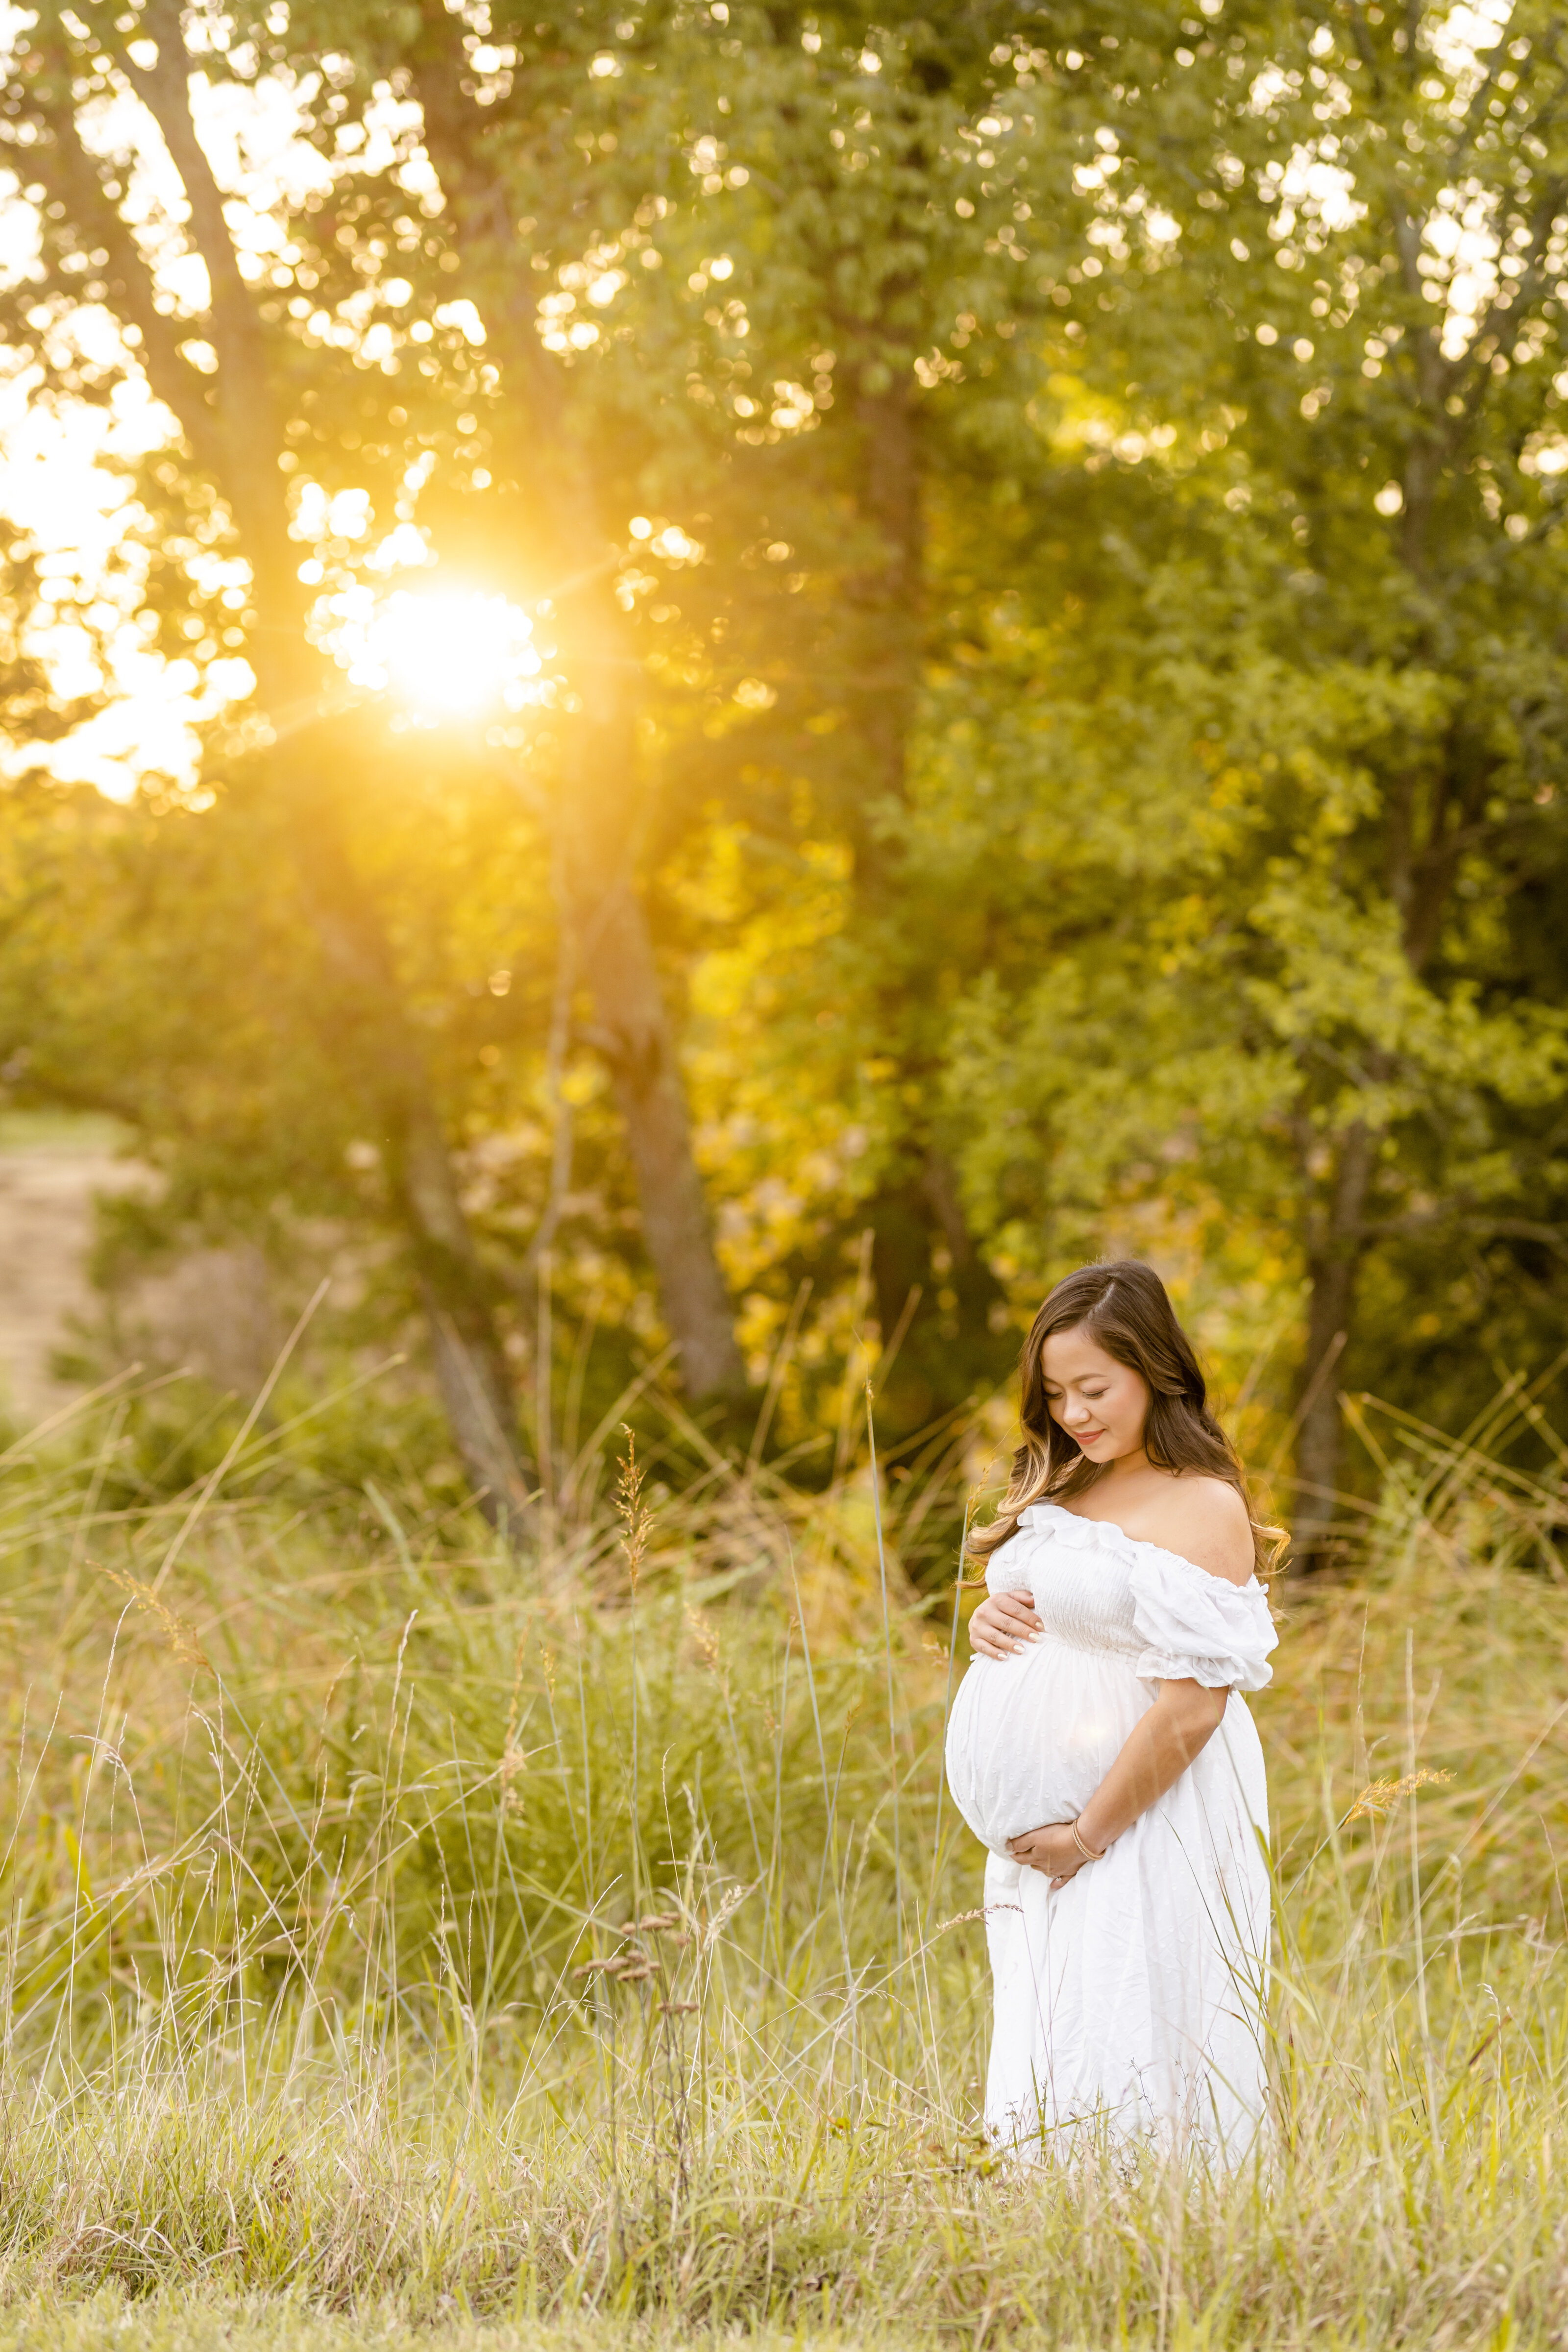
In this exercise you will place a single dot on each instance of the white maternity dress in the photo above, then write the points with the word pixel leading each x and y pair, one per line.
pixel 1131 2001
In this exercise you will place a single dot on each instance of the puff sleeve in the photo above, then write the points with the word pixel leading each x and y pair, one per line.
pixel 1194 1627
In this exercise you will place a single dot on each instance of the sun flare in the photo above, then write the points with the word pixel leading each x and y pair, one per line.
pixel 446 654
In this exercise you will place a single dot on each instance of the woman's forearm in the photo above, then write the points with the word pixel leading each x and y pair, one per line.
pixel 1158 1750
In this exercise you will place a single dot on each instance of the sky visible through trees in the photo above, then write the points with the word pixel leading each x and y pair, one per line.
pixel 741 679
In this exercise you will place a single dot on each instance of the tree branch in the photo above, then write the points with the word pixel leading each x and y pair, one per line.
pixel 1456 1216
pixel 247 417
pixel 69 173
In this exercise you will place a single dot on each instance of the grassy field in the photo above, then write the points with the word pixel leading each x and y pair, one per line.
pixel 329 2019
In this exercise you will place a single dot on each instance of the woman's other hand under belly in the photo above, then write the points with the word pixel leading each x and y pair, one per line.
pixel 1051 1850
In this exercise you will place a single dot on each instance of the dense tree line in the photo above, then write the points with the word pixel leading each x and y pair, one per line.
pixel 1042 540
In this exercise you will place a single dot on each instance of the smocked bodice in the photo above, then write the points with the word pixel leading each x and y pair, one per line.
pixel 1094 1588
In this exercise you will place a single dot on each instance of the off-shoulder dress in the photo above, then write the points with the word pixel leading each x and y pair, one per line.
pixel 1132 1999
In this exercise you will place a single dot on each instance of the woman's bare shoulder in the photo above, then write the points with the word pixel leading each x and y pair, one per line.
pixel 1205 1520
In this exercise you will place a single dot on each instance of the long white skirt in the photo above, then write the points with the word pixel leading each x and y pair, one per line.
pixel 1132 2002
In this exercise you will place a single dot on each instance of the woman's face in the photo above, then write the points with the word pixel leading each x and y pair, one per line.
pixel 1101 1403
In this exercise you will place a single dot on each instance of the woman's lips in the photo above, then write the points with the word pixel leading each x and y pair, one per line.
pixel 1089 1436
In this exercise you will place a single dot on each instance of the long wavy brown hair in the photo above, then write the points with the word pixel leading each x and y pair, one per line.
pixel 1127 1309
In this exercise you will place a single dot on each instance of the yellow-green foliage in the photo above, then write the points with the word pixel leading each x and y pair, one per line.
pixel 313 1849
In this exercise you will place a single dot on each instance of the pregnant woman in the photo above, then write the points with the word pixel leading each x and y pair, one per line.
pixel 1100 1748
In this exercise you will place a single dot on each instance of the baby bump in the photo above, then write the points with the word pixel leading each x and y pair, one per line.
pixel 1032 1738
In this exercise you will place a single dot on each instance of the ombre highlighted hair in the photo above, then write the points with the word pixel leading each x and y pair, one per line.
pixel 1126 1310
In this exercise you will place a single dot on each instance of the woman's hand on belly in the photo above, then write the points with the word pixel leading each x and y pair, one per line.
pixel 1050 1849
pixel 1004 1624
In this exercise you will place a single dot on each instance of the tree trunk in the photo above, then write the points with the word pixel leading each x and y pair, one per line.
pixel 634 1035
pixel 1334 1251
pixel 884 601
pixel 231 428
pixel 949 1350
pixel 599 763
pixel 374 1041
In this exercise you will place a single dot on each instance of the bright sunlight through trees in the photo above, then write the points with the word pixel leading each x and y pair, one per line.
pixel 693 695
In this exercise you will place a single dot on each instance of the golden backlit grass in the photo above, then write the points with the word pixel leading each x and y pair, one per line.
pixel 322 1845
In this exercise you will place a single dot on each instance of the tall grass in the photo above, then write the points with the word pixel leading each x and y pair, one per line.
pixel 399 1923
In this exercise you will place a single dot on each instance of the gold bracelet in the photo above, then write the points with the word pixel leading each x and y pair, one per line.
pixel 1087 1852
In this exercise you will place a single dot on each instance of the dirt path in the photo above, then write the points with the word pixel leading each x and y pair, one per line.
pixel 51 1172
